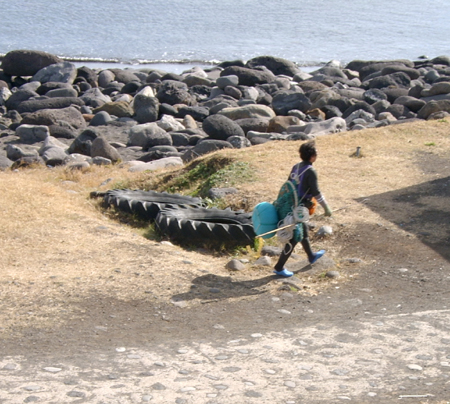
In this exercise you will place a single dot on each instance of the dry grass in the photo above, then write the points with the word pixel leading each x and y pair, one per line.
pixel 59 248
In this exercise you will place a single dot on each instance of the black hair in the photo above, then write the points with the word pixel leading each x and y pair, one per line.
pixel 308 150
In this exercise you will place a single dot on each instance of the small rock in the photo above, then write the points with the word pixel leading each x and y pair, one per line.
pixel 121 349
pixel 282 311
pixel 332 274
pixel 52 370
pixel 10 366
pixel 325 231
pixel 235 265
pixel 270 371
pixel 415 367
pixel 264 261
pixel 290 384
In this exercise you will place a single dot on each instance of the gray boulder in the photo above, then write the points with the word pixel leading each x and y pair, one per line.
pixel 411 103
pixel 55 156
pixel 62 92
pixel 27 62
pixel 278 66
pixel 14 152
pixel 13 102
pixel 227 81
pixel 94 98
pixel 284 101
pixel 100 118
pixel 248 111
pixel 69 115
pixel 5 94
pixel 205 147
pixel 5 162
pixel 32 133
pixel 432 107
pixel 220 127
pixel 124 76
pixel 146 106
pixel 83 142
pixel 147 135
pixel 64 72
pixel 175 92
pixel 249 77
pixel 101 148
pixel 105 77
pixel 239 142
pixel 48 103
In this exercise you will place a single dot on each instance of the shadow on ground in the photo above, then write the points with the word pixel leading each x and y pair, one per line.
pixel 422 210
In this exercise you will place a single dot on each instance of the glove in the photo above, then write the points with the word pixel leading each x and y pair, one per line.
pixel 328 211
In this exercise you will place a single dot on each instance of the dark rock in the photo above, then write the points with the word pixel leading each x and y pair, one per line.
pixel 49 117
pixel 124 76
pixel 204 147
pixel 433 107
pixel 399 79
pixel 5 162
pixel 88 74
pixel 51 85
pixel 359 105
pixel 113 87
pixel 393 93
pixel 27 62
pixel 146 107
pixel 63 130
pixel 411 103
pixel 229 63
pixel 197 112
pixel 284 101
pixel 254 124
pixel 131 88
pixel 18 97
pixel 83 142
pixel 373 95
pixel 48 103
pixel 166 109
pixel 412 73
pixel 275 64
pixel 249 77
pixel 331 111
pixel 220 127
pixel 174 92
pixel 101 148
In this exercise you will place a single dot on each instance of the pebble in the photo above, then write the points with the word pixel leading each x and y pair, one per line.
pixel 186 389
pixel 282 311
pixel 256 335
pixel 121 349
pixel 52 370
pixel 222 357
pixel 32 387
pixel 10 366
pixel 270 371
pixel 182 351
pixel 415 367
pixel 290 384
pixel 31 399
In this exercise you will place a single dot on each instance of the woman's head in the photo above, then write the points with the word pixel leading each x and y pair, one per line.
pixel 307 151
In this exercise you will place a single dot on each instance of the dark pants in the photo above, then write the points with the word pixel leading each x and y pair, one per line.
pixel 289 248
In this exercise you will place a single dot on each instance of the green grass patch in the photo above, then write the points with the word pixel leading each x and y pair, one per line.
pixel 199 177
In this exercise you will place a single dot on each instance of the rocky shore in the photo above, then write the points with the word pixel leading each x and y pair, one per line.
pixel 53 113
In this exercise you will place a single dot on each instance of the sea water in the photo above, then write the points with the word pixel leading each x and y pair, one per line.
pixel 180 32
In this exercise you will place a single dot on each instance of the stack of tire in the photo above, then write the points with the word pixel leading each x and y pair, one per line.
pixel 184 218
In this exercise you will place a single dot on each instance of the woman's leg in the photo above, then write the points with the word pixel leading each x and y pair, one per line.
pixel 285 254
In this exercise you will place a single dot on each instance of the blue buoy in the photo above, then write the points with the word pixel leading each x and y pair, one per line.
pixel 265 219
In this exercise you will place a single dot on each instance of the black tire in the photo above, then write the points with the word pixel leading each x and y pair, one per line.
pixel 210 225
pixel 147 204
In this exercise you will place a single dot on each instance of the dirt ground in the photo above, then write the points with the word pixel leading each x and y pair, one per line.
pixel 74 291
